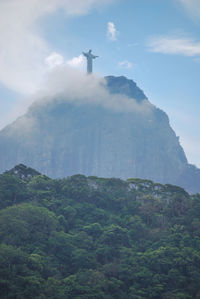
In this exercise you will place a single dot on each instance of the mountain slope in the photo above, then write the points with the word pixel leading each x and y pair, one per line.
pixel 61 138
pixel 89 237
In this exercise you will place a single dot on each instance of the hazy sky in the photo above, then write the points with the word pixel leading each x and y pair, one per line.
pixel 154 42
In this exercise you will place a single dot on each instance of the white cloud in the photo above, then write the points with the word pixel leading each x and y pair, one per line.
pixel 54 62
pixel 54 59
pixel 125 64
pixel 171 45
pixel 62 84
pixel 77 62
pixel 22 48
pixel 112 31
pixel 67 83
pixel 191 6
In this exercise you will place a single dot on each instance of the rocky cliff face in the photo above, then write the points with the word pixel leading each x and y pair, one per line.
pixel 61 138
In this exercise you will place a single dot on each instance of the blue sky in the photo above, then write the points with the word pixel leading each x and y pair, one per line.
pixel 154 42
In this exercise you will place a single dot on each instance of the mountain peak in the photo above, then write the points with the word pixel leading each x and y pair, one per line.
pixel 64 138
pixel 124 86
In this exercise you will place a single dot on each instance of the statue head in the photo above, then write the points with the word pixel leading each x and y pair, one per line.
pixel 90 51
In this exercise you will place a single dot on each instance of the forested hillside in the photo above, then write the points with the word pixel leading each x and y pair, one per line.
pixel 89 237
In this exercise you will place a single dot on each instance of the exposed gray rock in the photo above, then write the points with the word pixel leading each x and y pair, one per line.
pixel 61 138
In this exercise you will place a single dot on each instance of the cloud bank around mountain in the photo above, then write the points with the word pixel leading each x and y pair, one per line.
pixel 72 85
pixel 23 50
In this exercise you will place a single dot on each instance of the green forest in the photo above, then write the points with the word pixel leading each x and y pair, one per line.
pixel 96 238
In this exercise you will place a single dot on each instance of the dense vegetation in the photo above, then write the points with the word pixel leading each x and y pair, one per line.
pixel 89 237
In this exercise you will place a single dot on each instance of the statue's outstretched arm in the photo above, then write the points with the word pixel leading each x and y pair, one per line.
pixel 95 56
pixel 85 54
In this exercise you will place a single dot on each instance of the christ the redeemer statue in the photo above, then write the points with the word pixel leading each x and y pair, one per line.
pixel 90 58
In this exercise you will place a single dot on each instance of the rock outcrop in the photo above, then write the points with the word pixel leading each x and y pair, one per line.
pixel 61 138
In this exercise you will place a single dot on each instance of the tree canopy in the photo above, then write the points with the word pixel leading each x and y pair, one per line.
pixel 88 237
